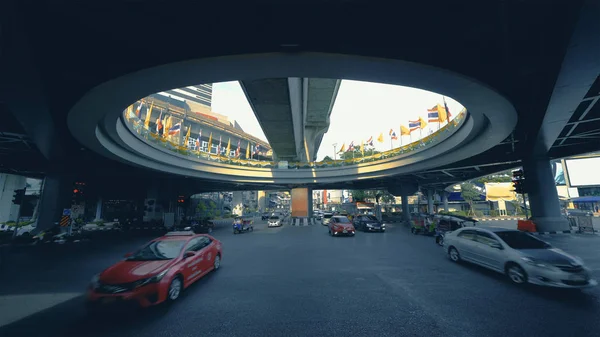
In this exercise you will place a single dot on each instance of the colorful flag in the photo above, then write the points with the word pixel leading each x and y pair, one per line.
pixel 393 135
pixel 228 147
pixel 198 140
pixel 219 147
pixel 362 148
pixel 187 136
pixel 148 114
pixel 257 149
pixel 175 129
pixel 159 124
pixel 433 115
pixel 129 112
pixel 350 147
pixel 380 138
pixel 370 141
pixel 248 151
pixel 209 143
pixel 414 125
pixel 404 131
pixel 343 148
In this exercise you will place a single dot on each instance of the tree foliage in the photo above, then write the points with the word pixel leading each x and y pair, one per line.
pixel 380 195
pixel 469 193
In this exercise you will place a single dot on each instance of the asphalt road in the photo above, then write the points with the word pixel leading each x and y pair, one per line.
pixel 298 281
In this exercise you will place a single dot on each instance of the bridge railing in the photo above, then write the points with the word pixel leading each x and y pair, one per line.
pixel 137 127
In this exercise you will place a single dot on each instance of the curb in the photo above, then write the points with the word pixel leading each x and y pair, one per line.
pixel 496 219
pixel 563 232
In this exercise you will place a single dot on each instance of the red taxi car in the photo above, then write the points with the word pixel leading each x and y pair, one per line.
pixel 341 225
pixel 157 272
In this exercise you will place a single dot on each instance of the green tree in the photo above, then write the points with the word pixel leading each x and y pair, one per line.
pixel 469 193
pixel 327 158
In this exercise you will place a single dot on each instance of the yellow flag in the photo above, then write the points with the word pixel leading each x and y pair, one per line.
pixel 380 138
pixel 443 115
pixel 362 147
pixel 129 112
pixel 423 123
pixel 168 124
pixel 228 147
pixel 148 114
pixel 404 131
pixel 248 151
pixel 210 142
pixel 187 136
pixel 343 148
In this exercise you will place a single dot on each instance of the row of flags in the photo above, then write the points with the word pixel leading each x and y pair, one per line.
pixel 166 128
pixel 437 114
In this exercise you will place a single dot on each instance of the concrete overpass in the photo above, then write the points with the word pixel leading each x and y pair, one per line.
pixel 548 73
pixel 293 112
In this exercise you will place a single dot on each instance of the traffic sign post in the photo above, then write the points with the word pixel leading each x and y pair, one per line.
pixel 65 220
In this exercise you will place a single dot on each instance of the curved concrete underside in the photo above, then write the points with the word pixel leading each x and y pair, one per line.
pixel 95 119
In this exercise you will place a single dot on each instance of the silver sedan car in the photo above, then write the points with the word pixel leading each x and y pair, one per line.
pixel 519 255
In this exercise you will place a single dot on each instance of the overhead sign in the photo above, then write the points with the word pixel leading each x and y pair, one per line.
pixel 67 211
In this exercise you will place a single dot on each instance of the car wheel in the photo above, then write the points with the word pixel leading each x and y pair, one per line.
pixel 516 274
pixel 175 289
pixel 217 262
pixel 453 254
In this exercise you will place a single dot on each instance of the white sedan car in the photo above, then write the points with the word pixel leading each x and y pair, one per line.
pixel 519 255
pixel 274 221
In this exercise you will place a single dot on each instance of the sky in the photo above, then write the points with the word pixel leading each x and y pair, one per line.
pixel 361 110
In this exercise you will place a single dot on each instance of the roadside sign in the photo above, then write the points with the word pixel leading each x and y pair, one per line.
pixel 66 211
pixel 65 220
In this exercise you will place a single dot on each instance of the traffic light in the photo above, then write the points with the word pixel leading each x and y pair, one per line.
pixel 78 193
pixel 518 180
pixel 18 196
pixel 181 200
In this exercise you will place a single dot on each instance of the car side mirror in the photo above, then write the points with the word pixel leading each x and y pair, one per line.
pixel 189 254
pixel 128 254
pixel 496 245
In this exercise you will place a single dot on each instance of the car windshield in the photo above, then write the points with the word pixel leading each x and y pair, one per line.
pixel 327 216
pixel 369 217
pixel 342 220
pixel 158 250
pixel 520 240
pixel 274 218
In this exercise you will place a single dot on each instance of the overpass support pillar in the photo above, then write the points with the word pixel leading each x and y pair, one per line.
pixel 404 190
pixel 405 208
pixel 445 200
pixel 302 207
pixel 430 194
pixel 56 196
pixel 237 203
pixel 98 209
pixel 543 197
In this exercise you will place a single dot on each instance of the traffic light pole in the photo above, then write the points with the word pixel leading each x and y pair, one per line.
pixel 14 236
pixel 525 205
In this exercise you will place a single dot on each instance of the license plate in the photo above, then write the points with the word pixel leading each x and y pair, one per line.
pixel 345 231
pixel 107 300
pixel 578 278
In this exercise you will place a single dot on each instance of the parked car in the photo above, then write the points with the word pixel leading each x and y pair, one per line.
pixel 157 272
pixel 368 223
pixel 265 216
pixel 521 256
pixel 274 221
pixel 340 225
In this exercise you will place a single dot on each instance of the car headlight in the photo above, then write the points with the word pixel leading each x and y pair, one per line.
pixel 369 225
pixel 540 264
pixel 95 281
pixel 154 279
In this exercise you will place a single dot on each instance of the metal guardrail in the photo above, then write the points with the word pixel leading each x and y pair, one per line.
pixel 136 126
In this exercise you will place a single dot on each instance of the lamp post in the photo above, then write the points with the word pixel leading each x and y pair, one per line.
pixel 334 151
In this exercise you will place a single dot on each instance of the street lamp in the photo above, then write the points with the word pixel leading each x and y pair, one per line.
pixel 334 151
